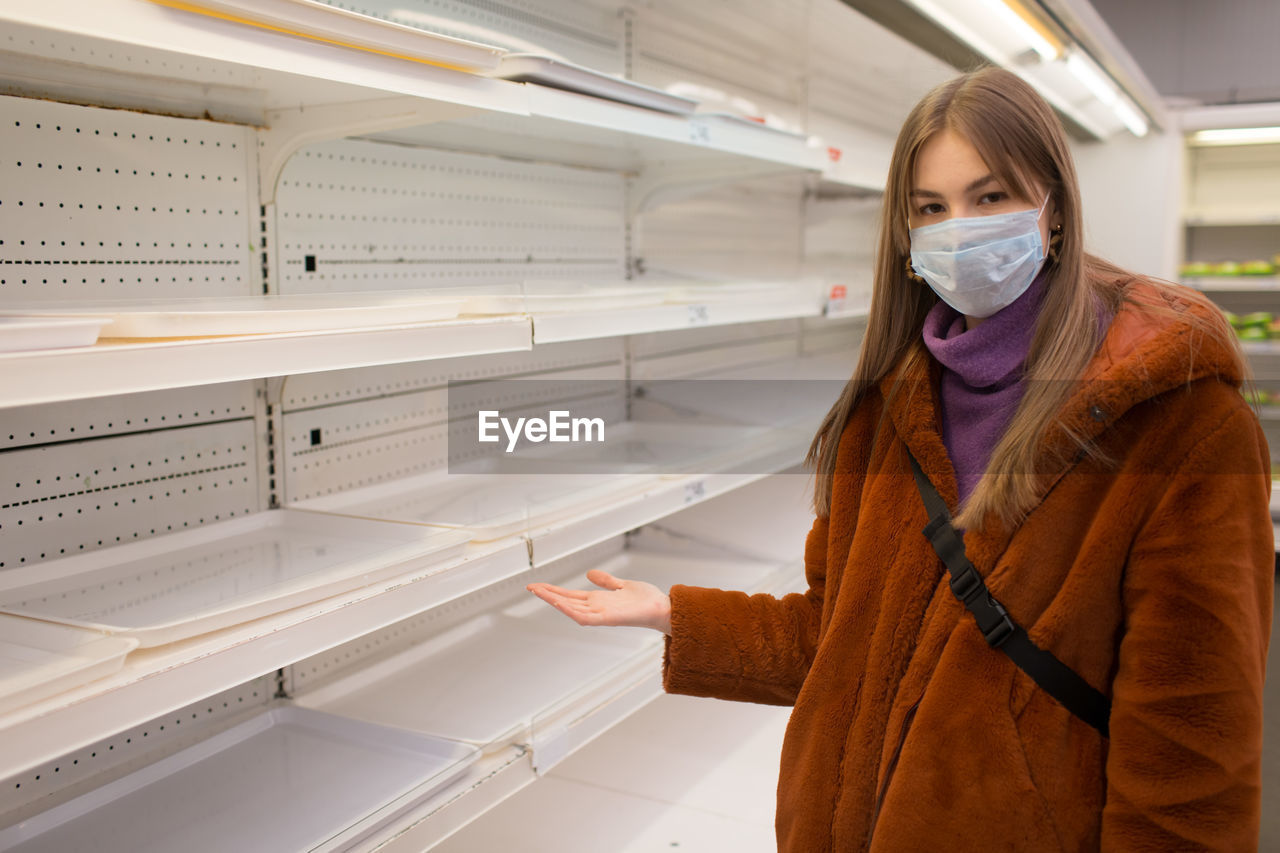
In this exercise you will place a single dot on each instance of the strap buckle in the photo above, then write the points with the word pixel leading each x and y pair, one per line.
pixel 965 584
pixel 1002 630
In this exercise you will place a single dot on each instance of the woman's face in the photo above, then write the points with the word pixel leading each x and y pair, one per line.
pixel 951 180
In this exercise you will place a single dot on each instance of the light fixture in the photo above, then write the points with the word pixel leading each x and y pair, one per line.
pixel 1236 136
pixel 1007 33
pixel 1084 70
pixel 940 13
pixel 1132 119
pixel 1018 19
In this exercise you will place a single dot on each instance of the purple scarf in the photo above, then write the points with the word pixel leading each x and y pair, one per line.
pixel 981 377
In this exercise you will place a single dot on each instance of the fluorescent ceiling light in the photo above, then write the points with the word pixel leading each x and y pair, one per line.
pixel 942 16
pixel 1091 76
pixel 1015 21
pixel 1132 119
pixel 1236 136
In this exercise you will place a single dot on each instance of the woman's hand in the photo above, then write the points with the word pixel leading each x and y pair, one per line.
pixel 619 602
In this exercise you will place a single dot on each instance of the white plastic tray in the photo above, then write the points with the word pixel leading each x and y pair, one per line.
pixel 325 22
pixel 183 584
pixel 556 297
pixel 288 779
pixel 548 71
pixel 254 315
pixel 488 506
pixel 22 332
pixel 480 682
pixel 41 659
pixel 487 679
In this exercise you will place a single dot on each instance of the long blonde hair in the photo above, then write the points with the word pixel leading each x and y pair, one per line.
pixel 1022 141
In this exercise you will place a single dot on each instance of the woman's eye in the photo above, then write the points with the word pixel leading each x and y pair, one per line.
pixel 992 198
pixel 929 209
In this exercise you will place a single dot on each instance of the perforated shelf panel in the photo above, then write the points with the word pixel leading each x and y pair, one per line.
pixel 361 215
pixel 394 422
pixel 103 204
pixel 114 756
pixel 69 498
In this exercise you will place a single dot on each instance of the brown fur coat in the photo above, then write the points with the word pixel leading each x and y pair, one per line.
pixel 1152 580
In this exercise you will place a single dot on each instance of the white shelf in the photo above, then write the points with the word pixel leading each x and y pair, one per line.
pixel 140 54
pixel 1241 284
pixel 231 791
pixel 158 680
pixel 123 367
pixel 1229 218
pixel 536 740
pixel 1265 348
pixel 133 53
pixel 550 328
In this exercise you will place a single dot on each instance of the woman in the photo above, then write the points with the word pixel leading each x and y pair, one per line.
pixel 1112 486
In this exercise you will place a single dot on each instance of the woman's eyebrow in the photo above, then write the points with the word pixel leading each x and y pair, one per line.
pixel 986 179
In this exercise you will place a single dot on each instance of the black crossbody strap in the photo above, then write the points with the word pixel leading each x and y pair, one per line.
pixel 1001 632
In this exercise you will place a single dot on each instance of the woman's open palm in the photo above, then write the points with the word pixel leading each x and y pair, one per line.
pixel 617 602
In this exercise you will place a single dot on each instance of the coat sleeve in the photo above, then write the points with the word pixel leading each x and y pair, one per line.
pixel 757 648
pixel 1184 761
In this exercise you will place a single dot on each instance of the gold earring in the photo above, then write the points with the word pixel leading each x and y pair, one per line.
pixel 1055 243
pixel 911 273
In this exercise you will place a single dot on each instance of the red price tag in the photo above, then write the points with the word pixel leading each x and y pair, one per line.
pixel 834 154
pixel 838 291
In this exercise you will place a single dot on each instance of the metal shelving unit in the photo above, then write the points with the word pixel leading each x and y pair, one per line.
pixel 156 153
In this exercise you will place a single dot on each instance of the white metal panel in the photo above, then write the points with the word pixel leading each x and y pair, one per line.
pixel 669 343
pixel 840 245
pixel 823 336
pixel 1234 184
pixel 54 422
pixel 68 498
pixel 375 216
pixel 751 230
pixel 861 73
pixel 332 448
pixel 741 56
pixel 96 764
pixel 584 32
pixel 100 203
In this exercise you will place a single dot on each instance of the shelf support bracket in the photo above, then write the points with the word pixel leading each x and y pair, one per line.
pixel 290 129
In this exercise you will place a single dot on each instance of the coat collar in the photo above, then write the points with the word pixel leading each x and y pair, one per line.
pixel 1142 355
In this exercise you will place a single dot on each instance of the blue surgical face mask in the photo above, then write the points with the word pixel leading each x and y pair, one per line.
pixel 980 264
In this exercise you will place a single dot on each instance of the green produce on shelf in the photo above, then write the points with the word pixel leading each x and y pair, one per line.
pixel 1233 319
pixel 1254 333
pixel 1226 268
pixel 1257 318
pixel 1257 268
pixel 1197 268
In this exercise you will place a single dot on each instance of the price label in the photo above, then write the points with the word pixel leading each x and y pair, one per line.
pixel 699 315
pixel 835 298
pixel 694 492
pixel 699 134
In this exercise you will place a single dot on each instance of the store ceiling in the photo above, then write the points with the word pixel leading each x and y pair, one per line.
pixel 1221 52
